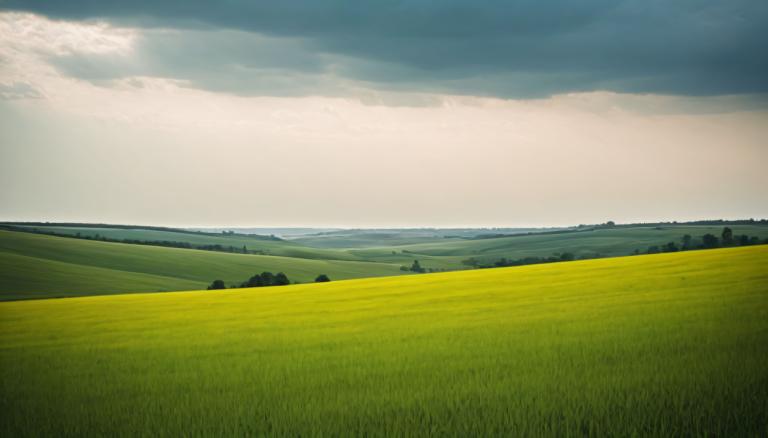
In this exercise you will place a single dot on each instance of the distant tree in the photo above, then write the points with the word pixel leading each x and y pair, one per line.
pixel 254 281
pixel 217 285
pixel 567 257
pixel 709 241
pixel 754 240
pixel 727 236
pixel 636 251
pixel 743 240
pixel 267 278
pixel 610 224
pixel 280 279
pixel 322 278
pixel 653 249
pixel 245 250
pixel 670 247
pixel 404 268
pixel 416 267
pixel 687 242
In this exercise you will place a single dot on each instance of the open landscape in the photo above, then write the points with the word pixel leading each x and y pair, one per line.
pixel 82 260
pixel 383 219
pixel 665 344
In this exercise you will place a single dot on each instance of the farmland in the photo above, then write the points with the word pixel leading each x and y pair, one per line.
pixel 39 266
pixel 43 265
pixel 665 344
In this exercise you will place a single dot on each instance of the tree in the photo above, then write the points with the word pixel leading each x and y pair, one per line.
pixel 670 247
pixel 709 241
pixel 322 278
pixel 280 279
pixel 416 267
pixel 743 240
pixel 687 242
pixel 217 285
pixel 727 236
pixel 254 281
pixel 567 257
pixel 653 249
pixel 267 278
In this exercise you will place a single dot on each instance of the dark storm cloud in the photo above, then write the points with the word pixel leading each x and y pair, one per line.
pixel 508 49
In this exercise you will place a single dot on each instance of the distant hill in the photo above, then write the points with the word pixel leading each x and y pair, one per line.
pixel 38 266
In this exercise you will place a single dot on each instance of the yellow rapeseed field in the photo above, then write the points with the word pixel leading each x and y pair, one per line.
pixel 663 344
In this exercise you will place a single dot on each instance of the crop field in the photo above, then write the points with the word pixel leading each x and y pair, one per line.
pixel 283 248
pixel 620 241
pixel 661 345
pixel 39 266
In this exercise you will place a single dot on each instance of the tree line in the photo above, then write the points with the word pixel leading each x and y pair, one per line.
pixel 264 279
pixel 687 243
pixel 707 241
pixel 532 260
pixel 164 243
pixel 23 226
pixel 416 267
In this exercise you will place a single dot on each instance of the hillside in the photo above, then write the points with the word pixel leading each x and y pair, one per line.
pixel 606 242
pixel 261 244
pixel 658 345
pixel 38 266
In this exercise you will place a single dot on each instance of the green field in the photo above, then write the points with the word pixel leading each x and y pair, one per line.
pixel 284 248
pixel 606 242
pixel 39 266
pixel 660 345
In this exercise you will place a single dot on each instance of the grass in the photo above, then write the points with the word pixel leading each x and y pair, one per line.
pixel 38 266
pixel 662 345
pixel 448 253
pixel 284 248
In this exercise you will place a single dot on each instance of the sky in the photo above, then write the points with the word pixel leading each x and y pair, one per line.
pixel 383 113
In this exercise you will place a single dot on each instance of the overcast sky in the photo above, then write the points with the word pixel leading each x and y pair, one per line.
pixel 375 114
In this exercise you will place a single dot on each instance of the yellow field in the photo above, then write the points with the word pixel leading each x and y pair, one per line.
pixel 663 345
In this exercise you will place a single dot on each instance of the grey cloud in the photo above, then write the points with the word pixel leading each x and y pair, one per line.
pixel 507 49
pixel 219 60
pixel 19 90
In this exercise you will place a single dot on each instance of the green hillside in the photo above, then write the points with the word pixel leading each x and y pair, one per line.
pixel 267 246
pixel 606 242
pixel 659 345
pixel 36 266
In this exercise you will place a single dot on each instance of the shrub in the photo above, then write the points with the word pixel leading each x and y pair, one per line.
pixel 217 285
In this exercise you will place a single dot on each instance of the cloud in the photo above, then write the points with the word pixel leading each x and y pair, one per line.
pixel 508 49
pixel 18 90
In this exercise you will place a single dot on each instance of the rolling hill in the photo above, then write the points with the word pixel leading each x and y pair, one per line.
pixel 657 345
pixel 38 266
pixel 604 242
pixel 284 248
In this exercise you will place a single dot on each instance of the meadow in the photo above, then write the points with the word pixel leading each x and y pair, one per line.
pixel 40 266
pixel 602 242
pixel 266 246
pixel 654 345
